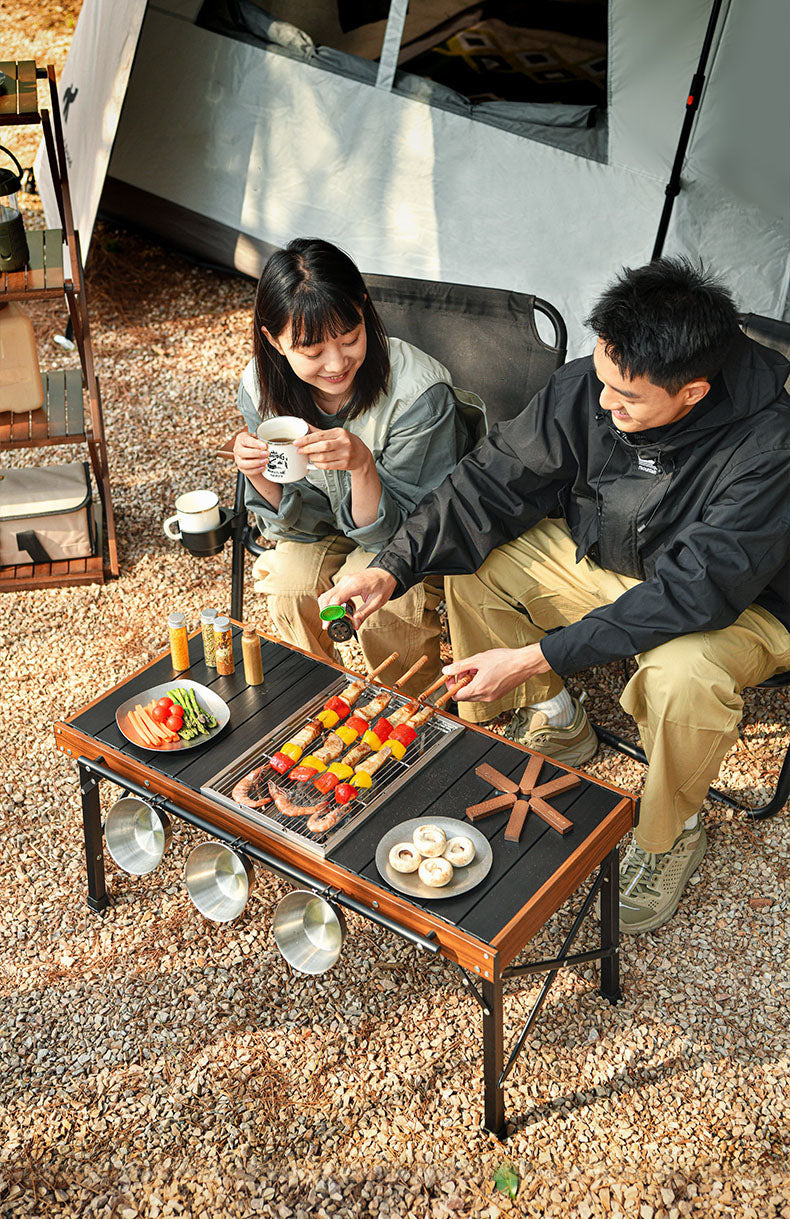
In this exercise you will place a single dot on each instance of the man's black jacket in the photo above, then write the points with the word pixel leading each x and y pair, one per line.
pixel 699 511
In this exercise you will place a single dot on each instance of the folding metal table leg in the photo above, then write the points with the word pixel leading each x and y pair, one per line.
pixel 610 927
pixel 493 1058
pixel 94 842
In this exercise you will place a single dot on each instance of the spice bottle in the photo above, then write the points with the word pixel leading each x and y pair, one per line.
pixel 251 652
pixel 223 645
pixel 207 617
pixel 179 644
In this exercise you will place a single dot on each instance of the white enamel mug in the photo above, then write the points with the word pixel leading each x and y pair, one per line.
pixel 196 512
pixel 286 464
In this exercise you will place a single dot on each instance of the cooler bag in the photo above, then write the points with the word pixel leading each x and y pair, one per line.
pixel 45 514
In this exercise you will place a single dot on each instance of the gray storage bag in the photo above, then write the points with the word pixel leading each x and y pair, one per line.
pixel 45 514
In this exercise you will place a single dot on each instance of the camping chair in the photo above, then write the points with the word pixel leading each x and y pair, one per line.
pixel 771 333
pixel 486 337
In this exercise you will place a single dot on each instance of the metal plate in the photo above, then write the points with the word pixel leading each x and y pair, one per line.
pixel 211 701
pixel 463 878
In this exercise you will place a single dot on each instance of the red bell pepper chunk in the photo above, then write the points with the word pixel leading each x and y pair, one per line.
pixel 281 763
pixel 326 781
pixel 358 723
pixel 303 774
pixel 345 793
pixel 404 733
pixel 338 705
pixel 383 729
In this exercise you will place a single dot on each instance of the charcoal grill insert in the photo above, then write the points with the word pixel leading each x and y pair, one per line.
pixel 432 738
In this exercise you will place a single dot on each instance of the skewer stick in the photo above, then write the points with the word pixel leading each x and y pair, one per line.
pixel 451 693
pixel 383 665
pixel 409 672
pixel 434 686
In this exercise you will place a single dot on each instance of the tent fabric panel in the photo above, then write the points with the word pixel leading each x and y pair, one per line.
pixel 653 53
pixel 286 149
pixel 91 92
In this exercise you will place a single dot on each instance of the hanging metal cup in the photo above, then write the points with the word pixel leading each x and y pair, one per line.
pixel 219 880
pixel 309 931
pixel 137 835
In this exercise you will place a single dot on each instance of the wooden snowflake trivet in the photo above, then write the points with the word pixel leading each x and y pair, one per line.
pixel 522 796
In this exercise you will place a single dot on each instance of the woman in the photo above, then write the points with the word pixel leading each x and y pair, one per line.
pixel 386 426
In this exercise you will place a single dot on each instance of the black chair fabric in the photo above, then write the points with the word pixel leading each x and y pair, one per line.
pixel 486 337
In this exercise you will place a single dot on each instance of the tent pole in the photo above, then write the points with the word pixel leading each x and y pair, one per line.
pixel 672 189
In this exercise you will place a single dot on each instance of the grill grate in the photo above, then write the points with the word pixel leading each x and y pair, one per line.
pixel 433 737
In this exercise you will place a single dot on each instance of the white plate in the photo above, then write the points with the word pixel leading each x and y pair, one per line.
pixel 205 696
pixel 463 878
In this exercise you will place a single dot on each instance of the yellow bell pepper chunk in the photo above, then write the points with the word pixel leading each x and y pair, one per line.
pixel 316 763
pixel 292 751
pixel 362 779
pixel 328 718
pixel 371 740
pixel 346 734
pixel 397 747
pixel 341 770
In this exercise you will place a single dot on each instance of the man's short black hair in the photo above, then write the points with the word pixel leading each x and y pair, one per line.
pixel 667 321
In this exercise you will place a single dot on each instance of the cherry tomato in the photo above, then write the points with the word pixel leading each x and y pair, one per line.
pixel 160 714
pixel 174 722
pixel 165 702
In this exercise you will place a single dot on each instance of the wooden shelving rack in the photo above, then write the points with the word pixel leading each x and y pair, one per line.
pixel 72 412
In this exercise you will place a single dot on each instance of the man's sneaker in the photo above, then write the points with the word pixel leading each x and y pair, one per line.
pixel 572 746
pixel 651 886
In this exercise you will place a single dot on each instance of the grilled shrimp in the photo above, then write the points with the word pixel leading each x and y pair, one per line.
pixel 289 809
pixel 245 790
pixel 319 823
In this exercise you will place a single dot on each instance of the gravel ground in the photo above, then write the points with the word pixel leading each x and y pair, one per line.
pixel 157 1064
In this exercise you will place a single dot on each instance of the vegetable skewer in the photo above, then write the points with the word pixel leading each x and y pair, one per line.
pixel 248 790
pixel 323 818
pixel 357 725
pixel 335 708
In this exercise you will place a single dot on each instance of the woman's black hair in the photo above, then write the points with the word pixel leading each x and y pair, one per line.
pixel 667 321
pixel 315 289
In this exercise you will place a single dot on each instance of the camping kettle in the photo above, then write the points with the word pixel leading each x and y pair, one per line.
pixel 14 254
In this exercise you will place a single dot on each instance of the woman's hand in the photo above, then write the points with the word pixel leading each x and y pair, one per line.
pixel 373 585
pixel 497 671
pixel 250 454
pixel 336 449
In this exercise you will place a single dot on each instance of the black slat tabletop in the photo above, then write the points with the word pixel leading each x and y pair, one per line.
pixel 445 787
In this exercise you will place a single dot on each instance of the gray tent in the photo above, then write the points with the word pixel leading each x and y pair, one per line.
pixel 230 143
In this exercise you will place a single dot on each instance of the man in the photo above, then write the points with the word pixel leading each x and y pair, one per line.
pixel 638 507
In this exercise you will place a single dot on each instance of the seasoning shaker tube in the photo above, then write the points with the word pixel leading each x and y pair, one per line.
pixel 223 645
pixel 207 617
pixel 251 652
pixel 179 644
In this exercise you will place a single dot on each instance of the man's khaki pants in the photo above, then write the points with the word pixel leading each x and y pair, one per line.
pixel 294 574
pixel 685 695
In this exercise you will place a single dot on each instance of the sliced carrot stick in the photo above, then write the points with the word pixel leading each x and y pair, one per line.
pixel 141 730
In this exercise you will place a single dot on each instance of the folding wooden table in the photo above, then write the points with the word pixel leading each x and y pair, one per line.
pixel 479 933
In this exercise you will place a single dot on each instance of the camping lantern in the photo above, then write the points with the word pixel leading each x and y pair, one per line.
pixel 14 254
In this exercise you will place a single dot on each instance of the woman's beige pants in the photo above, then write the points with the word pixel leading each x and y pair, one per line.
pixel 293 576
pixel 685 695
